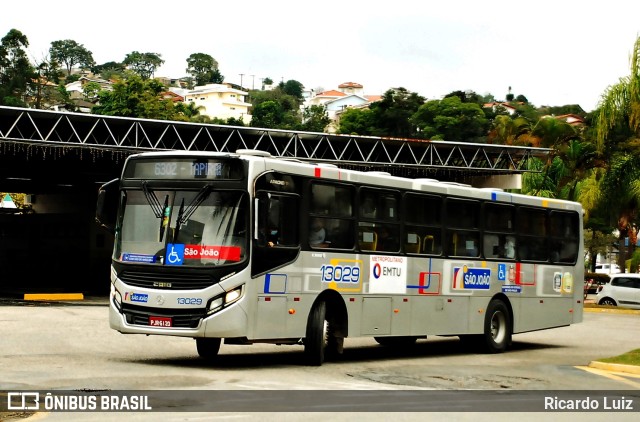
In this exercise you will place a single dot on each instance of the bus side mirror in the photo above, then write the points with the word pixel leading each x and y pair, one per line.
pixel 107 205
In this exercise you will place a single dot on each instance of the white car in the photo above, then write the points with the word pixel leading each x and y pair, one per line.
pixel 623 290
pixel 607 268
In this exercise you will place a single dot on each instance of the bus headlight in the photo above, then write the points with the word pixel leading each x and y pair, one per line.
pixel 224 300
pixel 116 297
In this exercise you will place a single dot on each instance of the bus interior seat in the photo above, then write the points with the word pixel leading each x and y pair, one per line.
pixel 368 240
pixel 412 245
pixel 428 245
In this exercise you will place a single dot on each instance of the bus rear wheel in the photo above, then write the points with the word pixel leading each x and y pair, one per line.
pixel 497 327
pixel 208 348
pixel 497 330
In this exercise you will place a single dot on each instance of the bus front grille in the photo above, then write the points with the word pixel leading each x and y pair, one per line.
pixel 166 281
pixel 180 318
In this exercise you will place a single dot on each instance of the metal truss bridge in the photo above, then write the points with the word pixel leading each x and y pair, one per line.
pixel 56 134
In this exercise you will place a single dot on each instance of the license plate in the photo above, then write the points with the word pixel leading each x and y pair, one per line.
pixel 158 321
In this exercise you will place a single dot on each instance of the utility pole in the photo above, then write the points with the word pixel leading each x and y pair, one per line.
pixel 241 76
pixel 253 82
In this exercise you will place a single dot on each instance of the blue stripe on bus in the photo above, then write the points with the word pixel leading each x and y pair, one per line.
pixel 505 196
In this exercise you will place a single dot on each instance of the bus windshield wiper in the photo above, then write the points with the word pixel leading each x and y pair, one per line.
pixel 166 213
pixel 193 205
pixel 179 221
pixel 183 215
pixel 153 201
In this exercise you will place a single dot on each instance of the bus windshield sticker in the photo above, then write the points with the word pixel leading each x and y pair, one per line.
pixel 175 254
pixel 136 257
pixel 224 253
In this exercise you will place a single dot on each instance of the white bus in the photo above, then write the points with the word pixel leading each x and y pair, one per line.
pixel 248 248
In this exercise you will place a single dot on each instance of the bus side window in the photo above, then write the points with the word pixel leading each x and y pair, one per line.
pixel 367 239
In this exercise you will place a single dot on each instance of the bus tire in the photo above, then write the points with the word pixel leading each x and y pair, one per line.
pixel 396 341
pixel 315 341
pixel 208 348
pixel 497 328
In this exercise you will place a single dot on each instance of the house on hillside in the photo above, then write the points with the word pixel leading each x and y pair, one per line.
pixel 220 101
pixel 572 119
pixel 348 95
pixel 76 88
pixel 494 105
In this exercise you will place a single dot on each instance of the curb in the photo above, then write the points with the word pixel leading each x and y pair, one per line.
pixel 612 310
pixel 615 367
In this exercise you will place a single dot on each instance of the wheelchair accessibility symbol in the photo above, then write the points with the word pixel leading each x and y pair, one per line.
pixel 175 254
pixel 502 272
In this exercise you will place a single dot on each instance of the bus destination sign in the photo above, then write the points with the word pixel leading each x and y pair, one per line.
pixel 183 169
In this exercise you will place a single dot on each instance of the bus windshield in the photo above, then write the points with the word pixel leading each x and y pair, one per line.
pixel 182 227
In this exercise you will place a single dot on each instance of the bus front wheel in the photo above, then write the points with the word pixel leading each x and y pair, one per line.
pixel 317 335
pixel 208 348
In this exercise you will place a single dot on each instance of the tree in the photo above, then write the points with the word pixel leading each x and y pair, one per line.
pixel 16 72
pixel 508 131
pixel 356 121
pixel 282 110
pixel 144 64
pixel 315 119
pixel 620 103
pixel 466 97
pixel 70 53
pixel 617 135
pixel 44 92
pixel 135 97
pixel 268 114
pixel 393 112
pixel 110 70
pixel 216 77
pixel 451 119
pixel 202 67
pixel 293 88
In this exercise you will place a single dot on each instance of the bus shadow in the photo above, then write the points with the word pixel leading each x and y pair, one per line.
pixel 287 356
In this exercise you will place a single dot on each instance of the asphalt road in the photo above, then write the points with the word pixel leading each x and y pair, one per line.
pixel 69 347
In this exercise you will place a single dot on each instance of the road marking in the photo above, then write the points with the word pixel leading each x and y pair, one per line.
pixel 617 376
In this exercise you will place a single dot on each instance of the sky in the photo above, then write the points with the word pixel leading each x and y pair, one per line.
pixel 553 52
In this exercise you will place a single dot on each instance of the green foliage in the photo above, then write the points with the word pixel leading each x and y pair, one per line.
pixel 269 114
pixel 17 75
pixel 467 97
pixel 315 119
pixel 144 64
pixel 620 104
pixel 203 68
pixel 393 112
pixel 70 53
pixel 275 109
pixel 293 88
pixel 135 97
pixel 452 120
pixel 356 121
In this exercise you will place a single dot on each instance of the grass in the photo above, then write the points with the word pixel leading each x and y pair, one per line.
pixel 629 358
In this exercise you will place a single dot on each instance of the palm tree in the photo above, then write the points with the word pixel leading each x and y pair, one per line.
pixel 617 129
pixel 620 103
